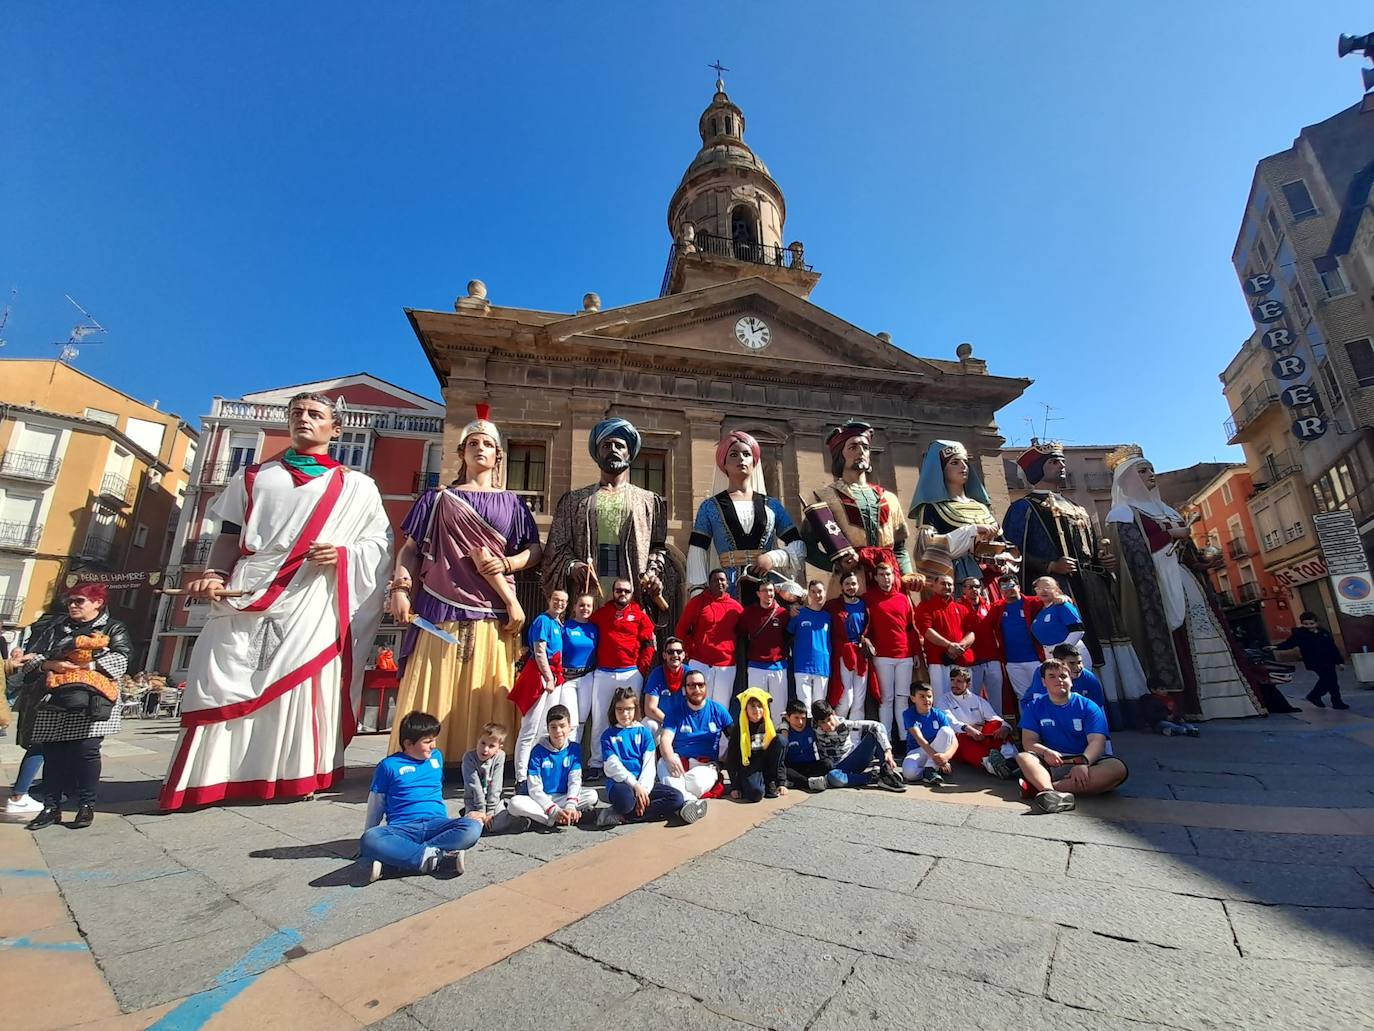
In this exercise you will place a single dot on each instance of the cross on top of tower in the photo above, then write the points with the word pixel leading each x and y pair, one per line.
pixel 720 71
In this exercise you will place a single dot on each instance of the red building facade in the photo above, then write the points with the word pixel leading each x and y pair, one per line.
pixel 1256 605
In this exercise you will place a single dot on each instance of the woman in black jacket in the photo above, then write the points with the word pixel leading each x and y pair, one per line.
pixel 73 693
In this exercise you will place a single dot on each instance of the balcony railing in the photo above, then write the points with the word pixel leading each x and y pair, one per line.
pixel 720 246
pixel 1278 466
pixel 1249 411
pixel 15 536
pixel 97 547
pixel 533 498
pixel 10 607
pixel 196 553
pixel 1271 540
pixel 1097 481
pixel 1237 548
pixel 1247 592
pixel 115 486
pixel 403 422
pixel 29 465
pixel 1292 533
pixel 422 482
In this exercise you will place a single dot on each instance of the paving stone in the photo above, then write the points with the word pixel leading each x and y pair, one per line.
pixel 795 846
pixel 654 1009
pixel 882 993
pixel 401 1020
pixel 1332 798
pixel 165 972
pixel 546 845
pixel 514 994
pixel 1289 770
pixel 313 822
pixel 1212 877
pixel 1081 826
pixel 985 946
pixel 1341 937
pixel 1308 849
pixel 195 829
pixel 1135 913
pixel 108 853
pixel 1203 991
pixel 728 962
pixel 908 806
pixel 917 838
pixel 484 866
pixel 142 914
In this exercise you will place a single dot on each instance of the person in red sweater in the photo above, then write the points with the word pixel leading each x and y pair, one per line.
pixel 891 634
pixel 624 651
pixel 764 628
pixel 986 671
pixel 946 626
pixel 708 627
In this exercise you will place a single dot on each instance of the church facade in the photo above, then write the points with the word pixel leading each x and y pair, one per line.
pixel 732 342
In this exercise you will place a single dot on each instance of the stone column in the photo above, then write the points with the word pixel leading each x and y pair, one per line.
pixel 703 430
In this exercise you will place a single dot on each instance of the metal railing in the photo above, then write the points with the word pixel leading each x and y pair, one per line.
pixel 1247 592
pixel 10 607
pixel 196 553
pixel 1237 548
pixel 723 247
pixel 1278 466
pixel 1097 481
pixel 16 536
pixel 1292 533
pixel 1255 403
pixel 30 465
pixel 96 547
pixel 113 485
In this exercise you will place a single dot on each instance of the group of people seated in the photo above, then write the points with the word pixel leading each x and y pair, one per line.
pixel 695 727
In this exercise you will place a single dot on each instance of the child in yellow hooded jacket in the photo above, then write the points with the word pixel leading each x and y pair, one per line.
pixel 754 754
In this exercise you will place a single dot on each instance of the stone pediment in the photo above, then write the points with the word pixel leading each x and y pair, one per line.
pixel 702 322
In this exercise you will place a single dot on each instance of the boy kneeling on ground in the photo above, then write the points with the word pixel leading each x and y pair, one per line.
pixel 1064 742
pixel 408 789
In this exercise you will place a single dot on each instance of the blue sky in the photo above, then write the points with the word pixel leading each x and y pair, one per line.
pixel 247 195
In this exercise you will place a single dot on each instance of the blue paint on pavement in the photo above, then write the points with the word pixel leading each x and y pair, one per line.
pixel 198 1009
pixel 26 943
pixel 17 872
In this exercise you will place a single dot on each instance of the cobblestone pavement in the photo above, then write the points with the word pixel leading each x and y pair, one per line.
pixel 1230 885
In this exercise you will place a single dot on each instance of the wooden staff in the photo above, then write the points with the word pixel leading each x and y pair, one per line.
pixel 177 592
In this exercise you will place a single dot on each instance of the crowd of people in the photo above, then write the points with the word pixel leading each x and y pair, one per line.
pixel 941 637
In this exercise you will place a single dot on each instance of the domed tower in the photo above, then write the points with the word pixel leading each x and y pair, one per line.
pixel 727 214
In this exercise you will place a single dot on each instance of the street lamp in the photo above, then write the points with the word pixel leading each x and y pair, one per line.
pixel 1346 45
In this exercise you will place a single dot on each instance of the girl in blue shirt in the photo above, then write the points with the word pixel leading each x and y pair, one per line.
pixel 631 768
pixel 579 661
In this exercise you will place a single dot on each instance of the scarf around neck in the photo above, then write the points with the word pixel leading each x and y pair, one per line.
pixel 304 468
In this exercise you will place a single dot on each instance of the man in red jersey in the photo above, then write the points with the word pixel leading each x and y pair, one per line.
pixel 986 671
pixel 624 651
pixel 764 627
pixel 891 633
pixel 708 627
pixel 946 627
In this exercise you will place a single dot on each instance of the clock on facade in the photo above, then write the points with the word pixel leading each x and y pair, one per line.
pixel 753 332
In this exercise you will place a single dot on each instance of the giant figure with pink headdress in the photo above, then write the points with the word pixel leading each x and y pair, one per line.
pixel 742 530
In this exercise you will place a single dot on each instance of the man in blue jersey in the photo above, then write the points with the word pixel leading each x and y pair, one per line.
pixel 408 790
pixel 664 683
pixel 693 740
pixel 1064 743
pixel 810 631
pixel 1021 653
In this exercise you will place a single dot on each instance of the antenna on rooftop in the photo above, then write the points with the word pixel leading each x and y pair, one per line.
pixel 86 327
pixel 1045 428
pixel 5 313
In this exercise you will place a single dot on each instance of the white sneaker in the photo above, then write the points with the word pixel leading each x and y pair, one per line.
pixel 816 783
pixel 23 808
pixel 692 811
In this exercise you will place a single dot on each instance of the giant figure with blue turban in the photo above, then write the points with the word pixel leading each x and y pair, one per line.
pixel 613 529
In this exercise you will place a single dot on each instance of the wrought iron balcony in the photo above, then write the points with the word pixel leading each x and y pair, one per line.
pixel 196 553
pixel 96 547
pixel 114 486
pixel 736 250
pixel 29 465
pixel 1247 592
pixel 1237 548
pixel 1254 405
pixel 422 482
pixel 10 607
pixel 353 419
pixel 16 536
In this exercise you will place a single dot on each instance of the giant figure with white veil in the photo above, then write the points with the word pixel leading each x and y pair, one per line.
pixel 1173 618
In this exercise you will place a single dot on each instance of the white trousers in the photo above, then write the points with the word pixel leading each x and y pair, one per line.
pixel 774 681
pixel 987 681
pixel 814 687
pixel 582 689
pixel 853 703
pixel 916 760
pixel 894 681
pixel 720 681
pixel 694 782
pixel 523 805
pixel 1020 674
pixel 535 722
pixel 604 683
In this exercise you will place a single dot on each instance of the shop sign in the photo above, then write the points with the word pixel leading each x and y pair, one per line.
pixel 1346 560
pixel 1301 573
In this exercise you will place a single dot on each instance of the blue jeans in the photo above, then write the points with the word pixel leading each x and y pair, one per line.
pixel 403 845
pixel 850 770
pixel 28 770
pixel 664 801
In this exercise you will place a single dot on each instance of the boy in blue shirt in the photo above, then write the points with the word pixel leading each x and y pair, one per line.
pixel 931 739
pixel 553 795
pixel 408 790
pixel 1064 742
pixel 802 761
pixel 810 630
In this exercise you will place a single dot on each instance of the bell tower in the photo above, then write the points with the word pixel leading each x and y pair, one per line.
pixel 727 214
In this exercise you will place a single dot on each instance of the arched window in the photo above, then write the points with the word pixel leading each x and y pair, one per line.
pixel 744 233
